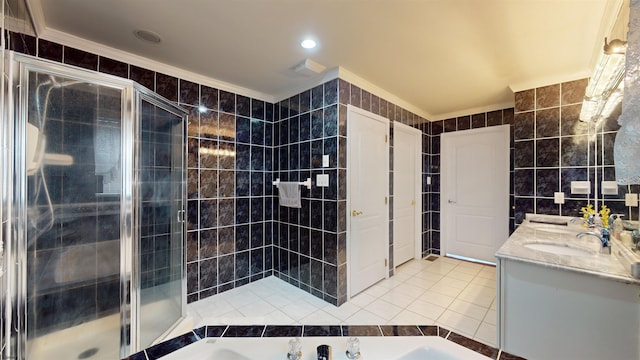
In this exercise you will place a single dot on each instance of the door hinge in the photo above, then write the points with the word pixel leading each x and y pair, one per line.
pixel 386 200
pixel 386 138
pixel 386 262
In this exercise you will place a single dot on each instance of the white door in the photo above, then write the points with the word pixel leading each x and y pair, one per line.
pixel 475 192
pixel 407 177
pixel 368 191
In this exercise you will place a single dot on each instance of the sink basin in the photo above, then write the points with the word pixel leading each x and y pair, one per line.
pixel 559 249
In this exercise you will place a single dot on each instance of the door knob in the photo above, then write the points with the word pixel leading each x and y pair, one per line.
pixel 356 213
pixel 413 202
pixel 451 202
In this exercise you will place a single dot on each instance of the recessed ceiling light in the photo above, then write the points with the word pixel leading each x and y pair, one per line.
pixel 147 36
pixel 308 44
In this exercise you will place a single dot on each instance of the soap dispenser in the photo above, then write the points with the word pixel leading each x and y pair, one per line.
pixel 616 226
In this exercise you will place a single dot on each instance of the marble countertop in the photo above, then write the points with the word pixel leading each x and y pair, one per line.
pixel 593 262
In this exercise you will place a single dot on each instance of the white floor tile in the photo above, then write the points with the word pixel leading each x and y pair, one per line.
pixel 398 299
pixel 409 289
pixel 362 299
pixel 459 323
pixel 298 310
pixel 480 281
pixel 479 296
pixel 442 288
pixel 453 282
pixel 468 309
pixel 343 311
pixel 376 290
pixel 279 318
pixel 279 300
pixel 487 334
pixel 389 283
pixel 364 317
pixel 429 275
pixel 488 273
pixel 491 317
pixel 256 308
pixel 384 309
pixel 426 309
pixel 460 275
pixel 437 298
pixel 423 283
pixel 455 294
pixel 469 268
pixel 320 318
pixel 407 317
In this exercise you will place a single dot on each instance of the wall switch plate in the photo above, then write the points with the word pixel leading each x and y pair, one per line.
pixel 581 187
pixel 609 188
pixel 325 160
pixel 631 200
pixel 558 198
pixel 428 180
pixel 322 180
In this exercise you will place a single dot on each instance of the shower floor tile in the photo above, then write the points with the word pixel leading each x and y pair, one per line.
pixel 453 293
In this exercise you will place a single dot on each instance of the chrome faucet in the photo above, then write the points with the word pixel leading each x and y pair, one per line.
pixel 590 221
pixel 604 239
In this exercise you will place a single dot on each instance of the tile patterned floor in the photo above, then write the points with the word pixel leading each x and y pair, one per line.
pixel 457 295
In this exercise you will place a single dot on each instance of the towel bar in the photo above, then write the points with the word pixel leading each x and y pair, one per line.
pixel 306 183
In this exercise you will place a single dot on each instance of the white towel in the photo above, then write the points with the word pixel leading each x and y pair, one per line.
pixel 289 194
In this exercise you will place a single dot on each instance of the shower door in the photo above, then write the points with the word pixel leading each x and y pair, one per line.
pixel 96 194
pixel 161 174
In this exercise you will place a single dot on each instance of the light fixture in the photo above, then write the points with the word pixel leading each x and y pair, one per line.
pixel 147 36
pixel 202 109
pixel 216 152
pixel 308 44
pixel 605 81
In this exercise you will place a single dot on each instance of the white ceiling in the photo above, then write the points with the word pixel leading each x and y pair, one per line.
pixel 439 58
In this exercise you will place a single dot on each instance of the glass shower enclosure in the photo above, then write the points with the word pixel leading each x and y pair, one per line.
pixel 93 213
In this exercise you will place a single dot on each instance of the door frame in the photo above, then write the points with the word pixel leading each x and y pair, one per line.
pixel 351 110
pixel 444 186
pixel 418 187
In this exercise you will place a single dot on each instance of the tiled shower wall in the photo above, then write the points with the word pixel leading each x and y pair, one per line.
pixel 230 161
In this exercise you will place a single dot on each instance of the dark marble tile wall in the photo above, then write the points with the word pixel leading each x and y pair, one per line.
pixel 310 243
pixel 436 128
pixel 553 147
pixel 230 151
pixel 230 146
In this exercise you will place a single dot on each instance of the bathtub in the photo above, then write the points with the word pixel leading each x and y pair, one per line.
pixel 260 342
pixel 371 348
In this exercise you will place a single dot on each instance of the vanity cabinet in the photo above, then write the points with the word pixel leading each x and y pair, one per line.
pixel 549 312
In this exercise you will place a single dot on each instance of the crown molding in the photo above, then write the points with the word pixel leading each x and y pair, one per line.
pixel 552 80
pixel 360 82
pixel 475 110
pixel 67 39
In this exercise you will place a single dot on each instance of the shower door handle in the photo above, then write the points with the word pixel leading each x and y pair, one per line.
pixel 180 216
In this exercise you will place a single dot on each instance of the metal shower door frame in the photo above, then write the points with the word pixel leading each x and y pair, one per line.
pixel 14 197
